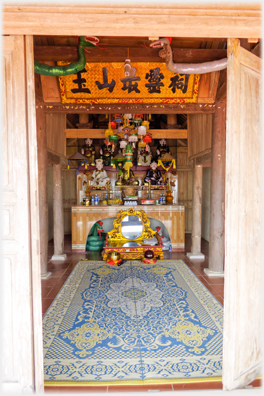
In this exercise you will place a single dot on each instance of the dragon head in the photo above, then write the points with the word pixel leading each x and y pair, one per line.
pixel 164 44
pixel 100 225
pixel 88 41
pixel 159 43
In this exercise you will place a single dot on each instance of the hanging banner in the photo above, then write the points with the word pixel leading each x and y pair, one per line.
pixel 102 83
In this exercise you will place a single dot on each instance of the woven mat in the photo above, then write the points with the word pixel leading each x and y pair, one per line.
pixel 133 324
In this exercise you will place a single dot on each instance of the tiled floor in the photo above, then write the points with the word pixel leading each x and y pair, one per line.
pixel 60 270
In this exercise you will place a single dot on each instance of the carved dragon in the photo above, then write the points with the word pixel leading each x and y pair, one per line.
pixel 185 68
pixel 72 68
pixel 96 240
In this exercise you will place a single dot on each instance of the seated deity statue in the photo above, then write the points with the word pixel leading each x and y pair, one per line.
pixel 106 154
pixel 153 175
pixel 89 151
pixel 144 157
pixel 99 176
pixel 129 178
pixel 162 148
pixel 126 178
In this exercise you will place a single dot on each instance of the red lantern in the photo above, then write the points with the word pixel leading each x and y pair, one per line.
pixel 147 139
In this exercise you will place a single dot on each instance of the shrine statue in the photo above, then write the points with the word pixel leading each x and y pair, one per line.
pixel 154 175
pixel 162 148
pixel 99 176
pixel 89 151
pixel 106 153
pixel 127 178
pixel 144 157
pixel 174 185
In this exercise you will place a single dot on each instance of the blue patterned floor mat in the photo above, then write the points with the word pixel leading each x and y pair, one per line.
pixel 132 324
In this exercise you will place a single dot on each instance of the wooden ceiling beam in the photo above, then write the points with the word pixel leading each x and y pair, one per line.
pixel 204 20
pixel 100 133
pixel 119 54
pixel 175 108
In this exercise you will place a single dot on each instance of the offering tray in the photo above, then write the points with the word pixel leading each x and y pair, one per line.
pixel 130 198
pixel 114 202
pixel 147 201
pixel 154 187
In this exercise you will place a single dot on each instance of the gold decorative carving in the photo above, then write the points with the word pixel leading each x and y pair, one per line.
pixel 135 253
pixel 116 234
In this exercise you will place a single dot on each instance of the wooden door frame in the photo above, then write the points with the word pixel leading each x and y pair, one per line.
pixel 242 358
pixel 208 20
pixel 22 348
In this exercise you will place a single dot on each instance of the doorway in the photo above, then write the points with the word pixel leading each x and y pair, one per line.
pixel 231 30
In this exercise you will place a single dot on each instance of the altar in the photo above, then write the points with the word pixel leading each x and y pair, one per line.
pixel 171 216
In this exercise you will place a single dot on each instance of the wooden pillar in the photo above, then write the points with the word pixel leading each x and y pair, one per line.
pixel 43 192
pixel 197 213
pixel 83 121
pixel 83 118
pixel 217 198
pixel 58 218
pixel 171 121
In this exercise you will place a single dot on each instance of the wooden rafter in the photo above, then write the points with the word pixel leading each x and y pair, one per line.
pixel 69 124
pixel 100 133
pixel 119 54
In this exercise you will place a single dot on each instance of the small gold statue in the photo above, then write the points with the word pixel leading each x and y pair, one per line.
pixel 126 178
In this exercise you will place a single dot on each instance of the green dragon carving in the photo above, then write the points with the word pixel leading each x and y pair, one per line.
pixel 96 240
pixel 73 68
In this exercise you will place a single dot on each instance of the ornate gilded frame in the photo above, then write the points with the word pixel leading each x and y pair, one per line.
pixel 116 234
